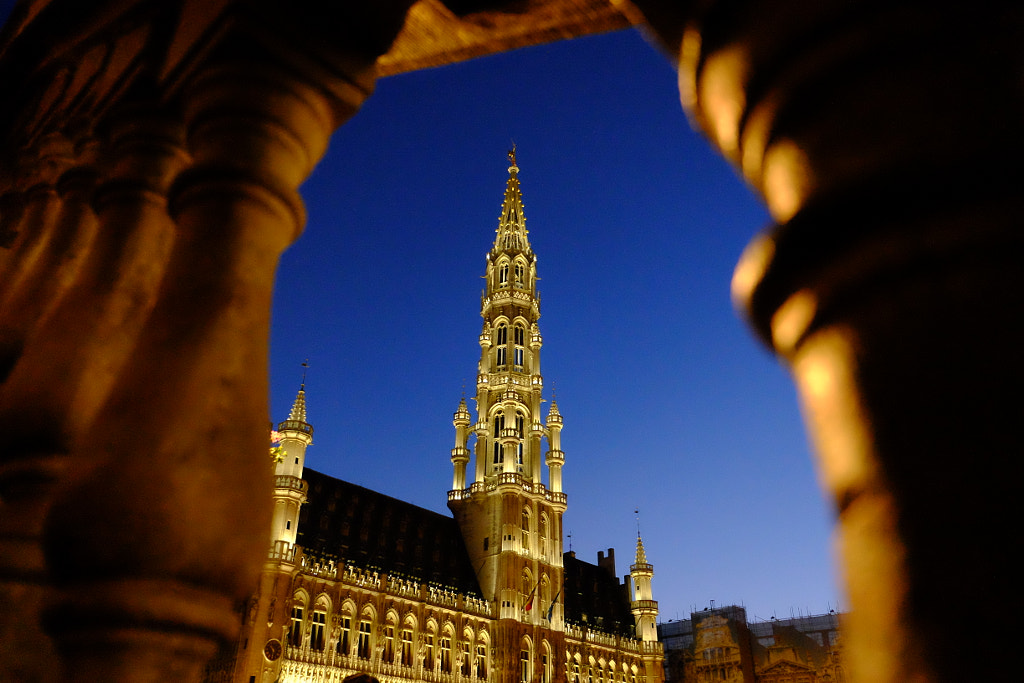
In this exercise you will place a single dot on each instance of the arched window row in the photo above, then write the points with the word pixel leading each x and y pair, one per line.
pixel 519 271
pixel 516 350
pixel 499 423
pixel 397 639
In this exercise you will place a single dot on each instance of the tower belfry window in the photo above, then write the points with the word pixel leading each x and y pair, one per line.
pixel 502 345
pixel 520 275
pixel 503 273
pixel 499 424
pixel 520 430
pixel 519 336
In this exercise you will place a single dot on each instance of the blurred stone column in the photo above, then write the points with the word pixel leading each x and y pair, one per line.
pixel 886 140
pixel 166 524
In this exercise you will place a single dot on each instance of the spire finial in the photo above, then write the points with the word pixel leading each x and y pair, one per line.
pixel 641 554
pixel 512 156
pixel 298 412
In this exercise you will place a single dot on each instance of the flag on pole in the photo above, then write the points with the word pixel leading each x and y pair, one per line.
pixel 529 600
pixel 551 609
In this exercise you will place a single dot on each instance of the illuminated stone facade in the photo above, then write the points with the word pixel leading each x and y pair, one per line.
pixel 357 583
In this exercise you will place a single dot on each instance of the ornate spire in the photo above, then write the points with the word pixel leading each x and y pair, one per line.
pixel 511 232
pixel 641 555
pixel 299 407
pixel 296 422
pixel 298 413
pixel 553 412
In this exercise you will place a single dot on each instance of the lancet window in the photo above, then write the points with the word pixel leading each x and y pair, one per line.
pixel 446 654
pixel 526 662
pixel 481 661
pixel 499 425
pixel 363 650
pixel 295 633
pixel 519 352
pixel 344 642
pixel 521 430
pixel 317 629
pixel 407 646
pixel 502 346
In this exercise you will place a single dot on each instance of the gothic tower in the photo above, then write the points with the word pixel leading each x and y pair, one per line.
pixel 510 519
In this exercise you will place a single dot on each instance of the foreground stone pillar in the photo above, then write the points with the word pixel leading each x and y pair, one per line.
pixel 885 138
pixel 137 276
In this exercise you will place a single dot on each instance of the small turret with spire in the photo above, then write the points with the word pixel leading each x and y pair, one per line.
pixel 643 605
pixel 295 434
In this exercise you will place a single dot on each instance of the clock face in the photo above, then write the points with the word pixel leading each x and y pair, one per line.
pixel 272 650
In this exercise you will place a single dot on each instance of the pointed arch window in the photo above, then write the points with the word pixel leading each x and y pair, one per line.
pixel 503 274
pixel 446 653
pixel 343 638
pixel 363 648
pixel 318 627
pixel 526 661
pixel 499 425
pixel 519 352
pixel 502 346
pixel 521 429
pixel 481 660
pixel 465 661
pixel 295 633
pixel 407 645
pixel 428 649
pixel 520 275
pixel 389 642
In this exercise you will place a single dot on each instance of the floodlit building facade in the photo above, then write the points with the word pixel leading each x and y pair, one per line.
pixel 358 584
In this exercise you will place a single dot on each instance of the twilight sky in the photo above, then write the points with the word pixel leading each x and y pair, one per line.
pixel 670 405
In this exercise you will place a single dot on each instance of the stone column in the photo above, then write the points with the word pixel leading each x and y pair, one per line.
pixel 165 521
pixel 885 138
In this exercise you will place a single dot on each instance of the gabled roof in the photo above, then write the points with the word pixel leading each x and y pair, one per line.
pixel 374 531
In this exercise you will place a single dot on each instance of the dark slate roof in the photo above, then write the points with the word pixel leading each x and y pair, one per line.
pixel 370 530
pixel 594 597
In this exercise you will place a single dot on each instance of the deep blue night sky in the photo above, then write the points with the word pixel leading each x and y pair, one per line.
pixel 670 405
